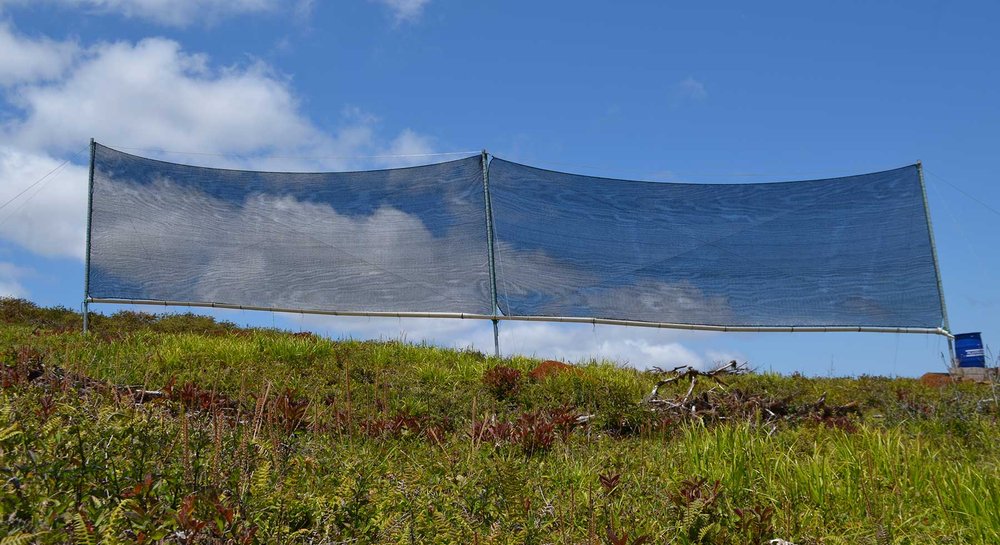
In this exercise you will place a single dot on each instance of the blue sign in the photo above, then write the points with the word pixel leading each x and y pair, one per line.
pixel 969 350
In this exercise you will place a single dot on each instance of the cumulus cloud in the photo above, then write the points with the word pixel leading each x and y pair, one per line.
pixel 642 348
pixel 577 343
pixel 542 285
pixel 168 12
pixel 653 300
pixel 154 96
pixel 161 241
pixel 405 11
pixel 24 59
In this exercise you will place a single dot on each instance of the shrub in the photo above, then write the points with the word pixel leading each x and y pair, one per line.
pixel 535 432
pixel 503 382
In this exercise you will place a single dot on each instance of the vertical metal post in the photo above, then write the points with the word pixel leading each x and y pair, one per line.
pixel 937 268
pixel 490 249
pixel 90 213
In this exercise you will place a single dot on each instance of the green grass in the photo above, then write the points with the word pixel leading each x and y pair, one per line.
pixel 269 437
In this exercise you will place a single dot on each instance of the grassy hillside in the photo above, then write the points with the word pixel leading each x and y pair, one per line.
pixel 184 430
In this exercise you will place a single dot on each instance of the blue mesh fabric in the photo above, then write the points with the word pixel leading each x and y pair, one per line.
pixel 851 251
pixel 400 240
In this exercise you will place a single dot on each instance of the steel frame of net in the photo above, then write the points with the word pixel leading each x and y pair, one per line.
pixel 496 317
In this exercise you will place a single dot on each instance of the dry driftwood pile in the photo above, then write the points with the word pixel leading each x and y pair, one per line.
pixel 722 402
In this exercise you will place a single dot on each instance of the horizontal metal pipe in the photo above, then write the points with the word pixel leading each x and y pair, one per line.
pixel 560 319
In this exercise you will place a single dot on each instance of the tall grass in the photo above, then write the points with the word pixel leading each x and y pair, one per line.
pixel 251 436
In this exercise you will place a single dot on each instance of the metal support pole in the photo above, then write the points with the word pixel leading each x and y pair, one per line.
pixel 491 250
pixel 937 269
pixel 557 319
pixel 496 337
pixel 90 214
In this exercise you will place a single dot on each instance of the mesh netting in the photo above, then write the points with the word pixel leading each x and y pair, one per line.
pixel 851 251
pixel 410 239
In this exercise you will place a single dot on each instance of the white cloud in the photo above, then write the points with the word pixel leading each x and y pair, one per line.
pixel 10 276
pixel 178 243
pixel 646 300
pixel 405 11
pixel 24 59
pixel 49 218
pixel 639 347
pixel 154 96
pixel 409 148
pixel 168 12
pixel 692 89
pixel 642 348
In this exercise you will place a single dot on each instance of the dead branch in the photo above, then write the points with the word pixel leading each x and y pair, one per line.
pixel 720 403
pixel 692 374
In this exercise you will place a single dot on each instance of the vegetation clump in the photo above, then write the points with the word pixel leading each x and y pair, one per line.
pixel 182 430
pixel 502 381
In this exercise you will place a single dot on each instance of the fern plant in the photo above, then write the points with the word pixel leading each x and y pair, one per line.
pixel 82 533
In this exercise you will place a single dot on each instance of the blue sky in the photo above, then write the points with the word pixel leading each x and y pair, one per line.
pixel 725 93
